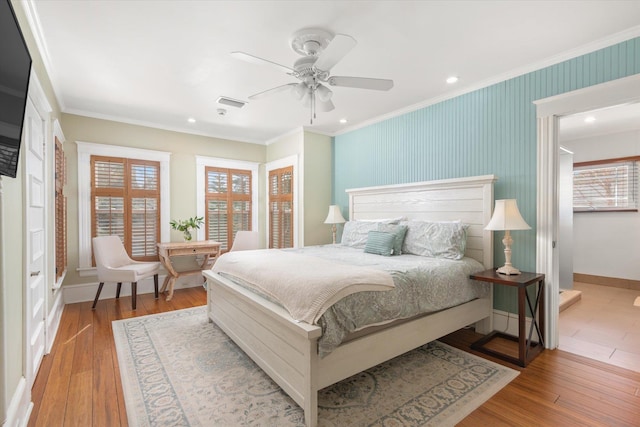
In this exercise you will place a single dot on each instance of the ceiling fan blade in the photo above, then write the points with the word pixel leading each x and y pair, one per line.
pixel 255 60
pixel 272 91
pixel 340 45
pixel 361 82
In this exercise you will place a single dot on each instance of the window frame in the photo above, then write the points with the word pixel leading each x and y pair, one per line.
pixel 280 198
pixel 298 185
pixel 608 163
pixel 203 162
pixel 85 151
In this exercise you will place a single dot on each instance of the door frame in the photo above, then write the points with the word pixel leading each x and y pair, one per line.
pixel 37 98
pixel 548 110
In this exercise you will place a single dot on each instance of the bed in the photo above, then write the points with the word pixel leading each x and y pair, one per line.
pixel 287 350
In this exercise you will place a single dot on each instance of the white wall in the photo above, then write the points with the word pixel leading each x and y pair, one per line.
pixel 606 243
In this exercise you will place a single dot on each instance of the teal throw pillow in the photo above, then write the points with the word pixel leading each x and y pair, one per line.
pixel 380 243
pixel 399 232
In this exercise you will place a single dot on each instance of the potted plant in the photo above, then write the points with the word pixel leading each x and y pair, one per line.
pixel 186 225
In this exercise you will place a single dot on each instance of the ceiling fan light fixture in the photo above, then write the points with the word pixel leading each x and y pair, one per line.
pixel 324 93
pixel 300 90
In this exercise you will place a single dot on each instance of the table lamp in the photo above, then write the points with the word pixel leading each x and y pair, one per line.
pixel 334 217
pixel 506 216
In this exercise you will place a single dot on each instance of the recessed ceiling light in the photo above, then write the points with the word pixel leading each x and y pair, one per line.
pixel 191 120
pixel 452 79
pixel 343 121
pixel 590 119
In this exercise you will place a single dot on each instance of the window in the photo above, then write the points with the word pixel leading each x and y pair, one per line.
pixel 86 150
pixel 245 212
pixel 125 201
pixel 228 201
pixel 606 185
pixel 60 210
pixel 281 208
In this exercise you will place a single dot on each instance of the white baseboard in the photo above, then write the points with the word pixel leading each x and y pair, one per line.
pixel 20 407
pixel 507 323
pixel 87 291
pixel 53 319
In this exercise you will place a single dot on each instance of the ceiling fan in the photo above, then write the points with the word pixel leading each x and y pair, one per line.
pixel 320 51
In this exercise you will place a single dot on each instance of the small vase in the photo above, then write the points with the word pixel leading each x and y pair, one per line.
pixel 187 235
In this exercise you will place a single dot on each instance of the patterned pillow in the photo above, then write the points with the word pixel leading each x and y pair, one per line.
pixel 355 233
pixel 380 243
pixel 436 239
pixel 399 231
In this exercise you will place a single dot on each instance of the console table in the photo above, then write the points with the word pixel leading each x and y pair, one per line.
pixel 209 249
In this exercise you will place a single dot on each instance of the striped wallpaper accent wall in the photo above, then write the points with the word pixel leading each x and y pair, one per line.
pixel 488 131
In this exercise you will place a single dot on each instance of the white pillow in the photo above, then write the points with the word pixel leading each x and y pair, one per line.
pixel 436 239
pixel 355 233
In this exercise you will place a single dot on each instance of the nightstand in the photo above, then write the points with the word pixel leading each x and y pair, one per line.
pixel 527 348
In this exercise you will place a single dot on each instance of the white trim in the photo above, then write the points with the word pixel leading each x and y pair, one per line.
pixel 53 320
pixel 85 151
pixel 39 99
pixel 155 125
pixel 548 110
pixel 20 407
pixel 293 160
pixel 30 10
pixel 218 162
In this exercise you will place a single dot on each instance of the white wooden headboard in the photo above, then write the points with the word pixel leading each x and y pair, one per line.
pixel 469 200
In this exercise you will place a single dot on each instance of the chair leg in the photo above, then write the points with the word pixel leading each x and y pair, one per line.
pixel 118 289
pixel 95 301
pixel 155 284
pixel 134 288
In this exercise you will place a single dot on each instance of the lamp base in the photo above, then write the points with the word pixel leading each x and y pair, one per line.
pixel 509 270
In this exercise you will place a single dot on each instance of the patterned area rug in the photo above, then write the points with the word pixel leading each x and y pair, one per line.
pixel 180 370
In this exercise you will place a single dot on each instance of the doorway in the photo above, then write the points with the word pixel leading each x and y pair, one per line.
pixel 548 111
pixel 597 317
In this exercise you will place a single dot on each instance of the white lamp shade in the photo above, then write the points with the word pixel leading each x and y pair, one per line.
pixel 506 216
pixel 334 216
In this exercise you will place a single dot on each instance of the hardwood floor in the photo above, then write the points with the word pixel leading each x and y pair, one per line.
pixel 79 381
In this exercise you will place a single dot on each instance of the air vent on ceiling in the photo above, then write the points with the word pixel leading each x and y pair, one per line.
pixel 230 102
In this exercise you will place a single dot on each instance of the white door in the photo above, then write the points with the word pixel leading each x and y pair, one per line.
pixel 33 151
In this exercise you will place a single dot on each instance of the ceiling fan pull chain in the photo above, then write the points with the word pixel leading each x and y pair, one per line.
pixel 312 106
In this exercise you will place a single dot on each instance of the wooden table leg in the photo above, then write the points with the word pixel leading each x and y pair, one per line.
pixel 522 334
pixel 172 282
pixel 165 283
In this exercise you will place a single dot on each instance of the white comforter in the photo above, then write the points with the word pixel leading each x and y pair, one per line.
pixel 305 285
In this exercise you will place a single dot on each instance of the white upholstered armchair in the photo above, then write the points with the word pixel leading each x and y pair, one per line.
pixel 114 265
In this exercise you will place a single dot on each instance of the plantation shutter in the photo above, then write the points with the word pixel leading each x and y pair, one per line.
pixel 126 203
pixel 60 210
pixel 610 185
pixel 281 208
pixel 228 201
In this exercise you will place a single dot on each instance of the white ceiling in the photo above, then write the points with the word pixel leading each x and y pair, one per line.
pixel 158 63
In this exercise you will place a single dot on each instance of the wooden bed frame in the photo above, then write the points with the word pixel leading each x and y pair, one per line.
pixel 287 350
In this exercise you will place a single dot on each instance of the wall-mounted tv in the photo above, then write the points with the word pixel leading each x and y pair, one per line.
pixel 15 66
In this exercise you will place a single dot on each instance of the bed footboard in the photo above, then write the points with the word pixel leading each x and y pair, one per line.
pixel 285 349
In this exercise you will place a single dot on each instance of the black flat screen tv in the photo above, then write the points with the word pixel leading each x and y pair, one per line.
pixel 15 66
